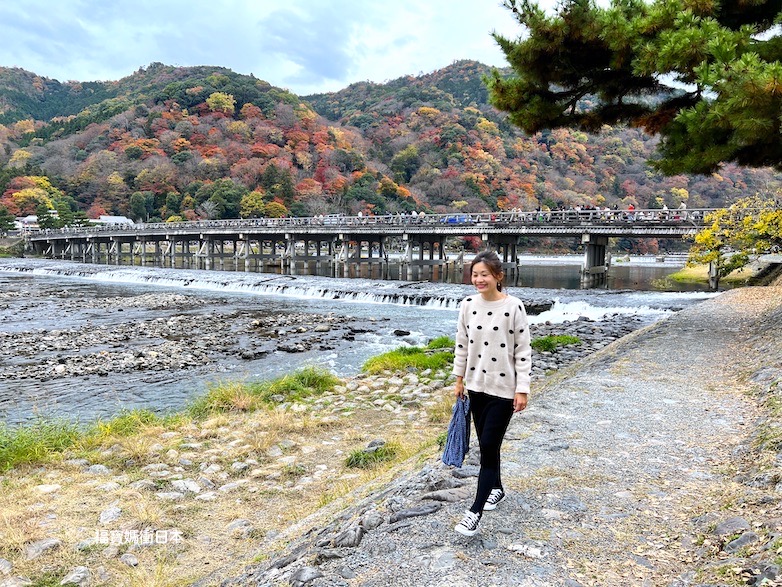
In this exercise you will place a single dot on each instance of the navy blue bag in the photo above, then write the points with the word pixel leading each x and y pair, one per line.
pixel 457 445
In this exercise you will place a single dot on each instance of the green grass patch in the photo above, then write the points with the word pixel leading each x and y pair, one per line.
pixel 125 423
pixel 307 382
pixel 36 442
pixel 699 274
pixel 49 579
pixel 769 437
pixel 235 396
pixel 691 274
pixel 364 459
pixel 442 438
pixel 44 440
pixel 441 342
pixel 549 343
pixel 406 357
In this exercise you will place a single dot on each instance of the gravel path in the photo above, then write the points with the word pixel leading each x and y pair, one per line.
pixel 622 472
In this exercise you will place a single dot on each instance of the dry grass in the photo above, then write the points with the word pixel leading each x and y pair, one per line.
pixel 440 413
pixel 280 496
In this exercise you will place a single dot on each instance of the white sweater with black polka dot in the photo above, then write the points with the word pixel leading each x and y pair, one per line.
pixel 493 352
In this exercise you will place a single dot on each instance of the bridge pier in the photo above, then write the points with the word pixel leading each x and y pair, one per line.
pixel 713 276
pixel 255 250
pixel 595 265
pixel 506 247
pixel 431 256
pixel 349 258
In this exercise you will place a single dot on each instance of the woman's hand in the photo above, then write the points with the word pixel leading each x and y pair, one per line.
pixel 458 388
pixel 519 402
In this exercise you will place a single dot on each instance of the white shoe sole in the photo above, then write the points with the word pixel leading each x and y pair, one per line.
pixel 464 531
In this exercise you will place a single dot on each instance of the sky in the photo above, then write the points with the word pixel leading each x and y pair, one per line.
pixel 306 46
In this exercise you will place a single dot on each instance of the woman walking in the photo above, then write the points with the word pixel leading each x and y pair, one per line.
pixel 492 363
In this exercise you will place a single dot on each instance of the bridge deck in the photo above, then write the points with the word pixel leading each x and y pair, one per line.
pixel 609 223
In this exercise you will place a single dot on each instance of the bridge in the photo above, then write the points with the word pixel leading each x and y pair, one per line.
pixel 345 241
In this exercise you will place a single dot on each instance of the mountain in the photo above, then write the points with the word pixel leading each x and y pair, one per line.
pixel 193 142
pixel 457 86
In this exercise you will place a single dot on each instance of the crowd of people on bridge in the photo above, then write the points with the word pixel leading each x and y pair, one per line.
pixel 573 215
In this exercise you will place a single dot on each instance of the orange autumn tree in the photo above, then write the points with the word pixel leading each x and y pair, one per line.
pixel 26 193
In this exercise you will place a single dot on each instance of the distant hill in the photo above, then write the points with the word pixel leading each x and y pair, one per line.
pixel 457 86
pixel 194 142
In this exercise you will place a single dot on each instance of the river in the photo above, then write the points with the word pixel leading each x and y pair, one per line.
pixel 44 297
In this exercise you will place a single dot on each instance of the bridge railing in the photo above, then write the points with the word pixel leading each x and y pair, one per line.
pixel 574 217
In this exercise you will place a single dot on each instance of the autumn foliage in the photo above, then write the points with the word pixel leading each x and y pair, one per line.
pixel 208 143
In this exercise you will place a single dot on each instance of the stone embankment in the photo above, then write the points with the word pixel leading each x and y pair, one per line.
pixel 204 495
pixel 654 462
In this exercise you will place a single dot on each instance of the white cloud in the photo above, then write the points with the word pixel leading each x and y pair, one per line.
pixel 305 45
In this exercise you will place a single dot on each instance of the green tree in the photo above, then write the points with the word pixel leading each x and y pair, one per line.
pixel 174 202
pixel 221 102
pixel 6 220
pixel 64 213
pixel 134 152
pixel 47 217
pixel 405 163
pixel 276 210
pixel 252 205
pixel 80 218
pixel 278 183
pixel 347 161
pixel 705 76
pixel 142 205
pixel 225 195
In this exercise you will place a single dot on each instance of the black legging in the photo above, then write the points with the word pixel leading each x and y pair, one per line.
pixel 491 415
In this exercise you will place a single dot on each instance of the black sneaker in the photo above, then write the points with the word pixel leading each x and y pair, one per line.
pixel 495 497
pixel 469 524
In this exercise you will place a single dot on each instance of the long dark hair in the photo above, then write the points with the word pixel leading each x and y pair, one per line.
pixel 492 261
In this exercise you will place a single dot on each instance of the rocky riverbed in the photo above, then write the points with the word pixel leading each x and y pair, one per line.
pixel 185 338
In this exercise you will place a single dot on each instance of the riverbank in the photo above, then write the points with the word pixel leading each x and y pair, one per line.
pixel 754 273
pixel 651 461
pixel 171 501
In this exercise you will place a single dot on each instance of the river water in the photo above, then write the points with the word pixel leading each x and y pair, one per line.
pixel 43 295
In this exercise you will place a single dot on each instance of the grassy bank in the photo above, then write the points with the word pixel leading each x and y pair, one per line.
pixel 10 247
pixel 272 454
pixel 47 439
pixel 699 274
pixel 248 465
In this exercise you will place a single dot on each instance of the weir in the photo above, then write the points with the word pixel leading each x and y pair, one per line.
pixel 350 246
